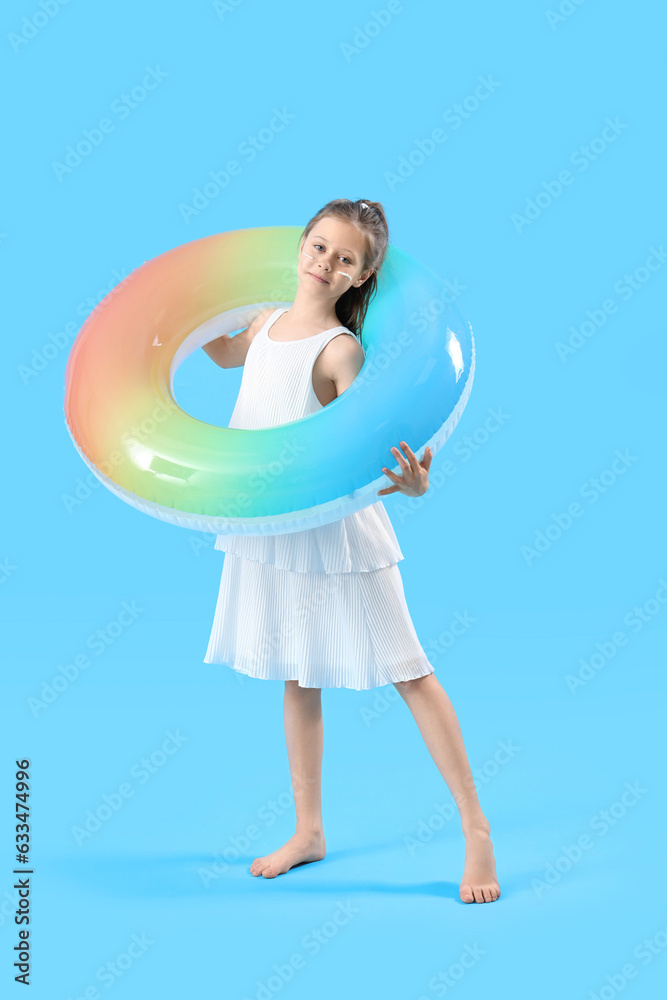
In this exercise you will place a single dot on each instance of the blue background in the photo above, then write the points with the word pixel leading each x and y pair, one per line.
pixel 358 109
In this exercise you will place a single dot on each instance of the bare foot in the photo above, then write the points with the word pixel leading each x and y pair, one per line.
pixel 479 883
pixel 299 849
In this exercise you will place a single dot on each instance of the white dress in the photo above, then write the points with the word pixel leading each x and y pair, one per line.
pixel 325 606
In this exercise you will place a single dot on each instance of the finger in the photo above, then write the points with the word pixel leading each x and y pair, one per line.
pixel 391 474
pixel 390 489
pixel 426 460
pixel 403 465
pixel 412 458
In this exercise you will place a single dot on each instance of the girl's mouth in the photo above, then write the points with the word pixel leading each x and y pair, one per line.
pixel 324 282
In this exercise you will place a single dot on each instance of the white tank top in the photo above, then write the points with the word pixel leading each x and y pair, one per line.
pixel 277 387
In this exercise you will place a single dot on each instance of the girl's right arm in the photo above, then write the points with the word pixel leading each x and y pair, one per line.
pixel 230 352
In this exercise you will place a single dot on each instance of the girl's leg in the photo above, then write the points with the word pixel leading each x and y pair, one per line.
pixel 435 716
pixel 302 711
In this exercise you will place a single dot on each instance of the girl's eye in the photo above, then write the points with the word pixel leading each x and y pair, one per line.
pixel 318 246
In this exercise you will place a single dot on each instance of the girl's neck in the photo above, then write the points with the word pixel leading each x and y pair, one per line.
pixel 305 317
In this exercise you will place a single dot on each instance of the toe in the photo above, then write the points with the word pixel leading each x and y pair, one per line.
pixel 262 865
pixel 486 893
pixel 479 896
pixel 466 894
pixel 270 871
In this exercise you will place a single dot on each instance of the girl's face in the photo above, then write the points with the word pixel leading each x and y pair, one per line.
pixel 331 259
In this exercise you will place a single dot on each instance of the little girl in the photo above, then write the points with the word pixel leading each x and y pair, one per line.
pixel 325 607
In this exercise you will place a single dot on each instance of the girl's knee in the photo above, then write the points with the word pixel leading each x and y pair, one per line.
pixel 411 686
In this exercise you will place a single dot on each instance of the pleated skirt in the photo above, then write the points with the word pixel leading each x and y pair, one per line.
pixel 323 630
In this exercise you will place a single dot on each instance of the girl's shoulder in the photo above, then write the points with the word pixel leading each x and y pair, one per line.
pixel 261 317
pixel 260 320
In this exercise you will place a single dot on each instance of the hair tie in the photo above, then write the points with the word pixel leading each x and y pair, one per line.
pixel 364 205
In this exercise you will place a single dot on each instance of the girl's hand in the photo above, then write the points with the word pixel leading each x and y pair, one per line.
pixel 414 481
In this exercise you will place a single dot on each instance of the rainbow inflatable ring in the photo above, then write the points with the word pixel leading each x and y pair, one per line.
pixel 122 416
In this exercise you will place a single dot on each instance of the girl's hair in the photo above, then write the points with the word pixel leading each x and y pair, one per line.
pixel 352 305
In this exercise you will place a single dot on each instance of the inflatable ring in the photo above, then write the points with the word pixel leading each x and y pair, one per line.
pixel 121 413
